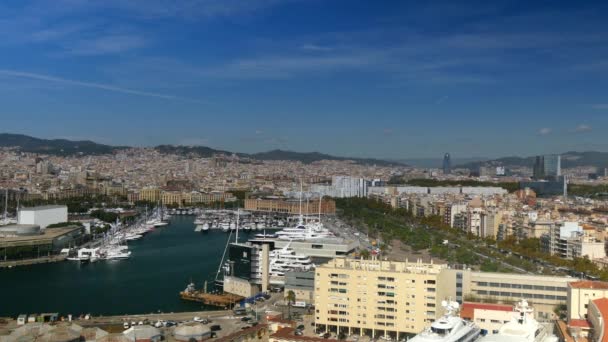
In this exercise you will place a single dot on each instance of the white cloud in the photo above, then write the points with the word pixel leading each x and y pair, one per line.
pixel 544 131
pixel 583 128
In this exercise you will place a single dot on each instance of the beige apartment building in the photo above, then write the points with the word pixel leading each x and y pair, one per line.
pixel 580 293
pixel 377 298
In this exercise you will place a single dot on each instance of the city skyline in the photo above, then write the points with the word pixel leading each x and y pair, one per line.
pixel 400 80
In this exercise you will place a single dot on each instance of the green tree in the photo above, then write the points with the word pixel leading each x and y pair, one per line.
pixel 291 298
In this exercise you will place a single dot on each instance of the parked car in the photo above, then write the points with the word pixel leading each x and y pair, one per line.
pixel 300 327
pixel 299 333
pixel 215 327
pixel 327 335
pixel 246 319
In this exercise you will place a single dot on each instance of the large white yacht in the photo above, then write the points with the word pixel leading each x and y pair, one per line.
pixel 449 328
pixel 304 231
pixel 521 328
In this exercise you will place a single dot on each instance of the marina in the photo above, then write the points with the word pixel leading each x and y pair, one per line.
pixel 162 263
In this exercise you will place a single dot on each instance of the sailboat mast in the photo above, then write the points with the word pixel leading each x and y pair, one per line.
pixel 238 210
pixel 5 204
pixel 320 198
pixel 300 198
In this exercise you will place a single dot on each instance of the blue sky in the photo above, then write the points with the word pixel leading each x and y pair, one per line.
pixel 395 79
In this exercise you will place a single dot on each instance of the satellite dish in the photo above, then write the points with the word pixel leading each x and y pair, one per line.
pixel 444 303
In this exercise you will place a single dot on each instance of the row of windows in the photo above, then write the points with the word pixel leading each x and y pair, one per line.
pixel 382 308
pixel 382 316
pixel 336 312
pixel 520 286
pixel 337 290
pixel 339 283
pixel 522 295
pixel 386 278
pixel 337 275
pixel 388 294
pixel 383 286
pixel 386 324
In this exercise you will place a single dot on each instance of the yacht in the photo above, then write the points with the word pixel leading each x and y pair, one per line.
pixel 521 328
pixel 449 328
pixel 205 227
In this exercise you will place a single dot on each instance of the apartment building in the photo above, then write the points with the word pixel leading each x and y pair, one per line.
pixel 571 240
pixel 277 205
pixel 377 298
pixel 580 293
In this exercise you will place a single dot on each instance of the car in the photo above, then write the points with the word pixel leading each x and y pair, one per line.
pixel 215 327
pixel 246 319
pixel 125 325
pixel 299 333
pixel 300 327
pixel 159 324
pixel 327 335
pixel 198 319
pixel 213 335
pixel 140 323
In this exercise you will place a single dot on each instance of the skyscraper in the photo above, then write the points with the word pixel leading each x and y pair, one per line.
pixel 539 168
pixel 553 165
pixel 447 164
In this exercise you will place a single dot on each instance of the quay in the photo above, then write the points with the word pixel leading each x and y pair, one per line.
pixel 226 300
pixel 24 262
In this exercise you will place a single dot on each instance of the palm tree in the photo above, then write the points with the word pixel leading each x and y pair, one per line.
pixel 291 298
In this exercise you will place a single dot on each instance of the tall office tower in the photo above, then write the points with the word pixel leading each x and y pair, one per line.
pixel 539 168
pixel 447 164
pixel 552 165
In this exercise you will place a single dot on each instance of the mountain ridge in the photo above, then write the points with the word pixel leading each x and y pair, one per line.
pixel 65 147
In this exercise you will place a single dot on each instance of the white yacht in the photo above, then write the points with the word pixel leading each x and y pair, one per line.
pixel 521 328
pixel 449 328
pixel 205 227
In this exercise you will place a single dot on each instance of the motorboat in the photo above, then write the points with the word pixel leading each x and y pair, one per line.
pixel 449 328
pixel 521 328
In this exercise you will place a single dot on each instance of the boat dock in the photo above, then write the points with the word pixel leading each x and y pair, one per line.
pixel 226 300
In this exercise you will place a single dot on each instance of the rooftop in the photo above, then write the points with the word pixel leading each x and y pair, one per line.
pixel 588 284
pixel 43 207
pixel 468 308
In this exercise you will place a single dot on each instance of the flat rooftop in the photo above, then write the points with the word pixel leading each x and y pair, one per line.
pixel 43 207
pixel 46 237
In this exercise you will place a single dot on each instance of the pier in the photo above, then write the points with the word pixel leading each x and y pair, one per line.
pixel 226 300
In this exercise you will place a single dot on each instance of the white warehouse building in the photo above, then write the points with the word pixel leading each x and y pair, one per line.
pixel 43 216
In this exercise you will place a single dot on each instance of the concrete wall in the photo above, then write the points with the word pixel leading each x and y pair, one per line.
pixel 43 216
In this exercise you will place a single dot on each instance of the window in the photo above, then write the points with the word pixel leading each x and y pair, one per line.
pixel 317 246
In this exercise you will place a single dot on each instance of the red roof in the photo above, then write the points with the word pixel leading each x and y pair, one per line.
pixel 468 308
pixel 602 306
pixel 588 284
pixel 579 323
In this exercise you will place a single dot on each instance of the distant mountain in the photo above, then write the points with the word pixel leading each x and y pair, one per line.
pixel 304 157
pixel 198 151
pixel 54 146
pixel 309 157
pixel 437 162
pixel 569 159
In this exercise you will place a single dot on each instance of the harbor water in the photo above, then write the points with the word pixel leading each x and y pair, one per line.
pixel 161 265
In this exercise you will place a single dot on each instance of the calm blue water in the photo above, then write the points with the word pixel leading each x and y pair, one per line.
pixel 161 265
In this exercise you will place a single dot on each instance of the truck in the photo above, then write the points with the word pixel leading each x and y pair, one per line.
pixel 299 304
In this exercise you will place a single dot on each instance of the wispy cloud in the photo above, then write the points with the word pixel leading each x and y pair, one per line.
pixel 49 78
pixel 544 131
pixel 104 45
pixel 315 47
pixel 582 128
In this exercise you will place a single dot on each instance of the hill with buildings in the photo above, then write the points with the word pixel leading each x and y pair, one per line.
pixel 54 146
pixel 64 147
pixel 569 159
